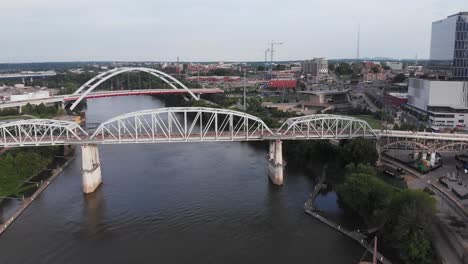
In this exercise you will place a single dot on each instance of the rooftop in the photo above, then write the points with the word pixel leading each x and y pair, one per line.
pixel 459 14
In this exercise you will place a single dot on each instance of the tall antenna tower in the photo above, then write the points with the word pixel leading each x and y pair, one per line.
pixel 358 41
pixel 178 68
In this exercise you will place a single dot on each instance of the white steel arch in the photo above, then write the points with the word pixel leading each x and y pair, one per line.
pixel 436 146
pixel 323 126
pixel 90 85
pixel 182 124
pixel 36 132
pixel 406 145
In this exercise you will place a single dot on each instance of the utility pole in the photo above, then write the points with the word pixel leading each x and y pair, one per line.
pixel 266 65
pixel 245 77
pixel 272 51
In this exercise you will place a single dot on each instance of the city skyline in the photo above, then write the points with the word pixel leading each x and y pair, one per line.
pixel 205 30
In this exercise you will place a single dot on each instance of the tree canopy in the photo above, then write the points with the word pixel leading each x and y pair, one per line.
pixel 408 226
pixel 405 216
pixel 363 192
pixel 359 151
pixel 343 69
pixel 399 78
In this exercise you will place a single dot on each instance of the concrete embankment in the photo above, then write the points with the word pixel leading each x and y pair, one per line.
pixel 29 200
pixel 309 208
pixel 358 237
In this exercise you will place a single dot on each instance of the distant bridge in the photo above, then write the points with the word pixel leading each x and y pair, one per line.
pixel 86 91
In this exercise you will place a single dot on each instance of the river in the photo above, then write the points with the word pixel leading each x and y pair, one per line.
pixel 175 203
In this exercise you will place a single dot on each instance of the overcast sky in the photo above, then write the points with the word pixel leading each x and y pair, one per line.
pixel 216 30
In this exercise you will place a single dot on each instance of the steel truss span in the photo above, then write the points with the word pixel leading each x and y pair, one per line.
pixel 90 85
pixel 40 132
pixel 436 145
pixel 324 126
pixel 179 124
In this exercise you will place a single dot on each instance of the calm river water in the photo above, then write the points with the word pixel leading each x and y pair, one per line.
pixel 175 203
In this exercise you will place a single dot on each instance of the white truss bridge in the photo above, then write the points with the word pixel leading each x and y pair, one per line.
pixel 199 124
pixel 180 124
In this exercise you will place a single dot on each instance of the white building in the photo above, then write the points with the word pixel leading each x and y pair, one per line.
pixel 444 102
pixel 395 66
pixel 30 96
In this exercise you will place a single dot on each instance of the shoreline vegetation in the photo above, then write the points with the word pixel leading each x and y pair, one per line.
pixel 19 165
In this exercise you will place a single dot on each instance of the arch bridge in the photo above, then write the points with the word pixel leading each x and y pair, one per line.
pixel 88 90
pixel 85 91
pixel 423 141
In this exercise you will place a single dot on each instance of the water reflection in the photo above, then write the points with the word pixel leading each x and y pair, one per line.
pixel 94 213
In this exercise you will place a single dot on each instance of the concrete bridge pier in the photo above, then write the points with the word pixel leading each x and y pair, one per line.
pixel 416 154
pixel 91 169
pixel 433 158
pixel 61 105
pixel 424 155
pixel 276 164
pixel 379 152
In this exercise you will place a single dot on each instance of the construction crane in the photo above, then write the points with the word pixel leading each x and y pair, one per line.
pixel 272 51
pixel 266 64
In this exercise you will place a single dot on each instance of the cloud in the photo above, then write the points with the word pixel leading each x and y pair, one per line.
pixel 216 30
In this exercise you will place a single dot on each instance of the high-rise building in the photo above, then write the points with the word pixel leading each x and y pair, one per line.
pixel 449 45
pixel 316 68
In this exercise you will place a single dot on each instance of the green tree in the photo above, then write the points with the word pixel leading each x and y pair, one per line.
pixel 280 67
pixel 343 69
pixel 359 151
pixel 385 66
pixel 408 226
pixel 399 78
pixel 375 69
pixel 366 194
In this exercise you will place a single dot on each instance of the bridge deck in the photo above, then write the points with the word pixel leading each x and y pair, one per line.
pixel 100 94
pixel 163 138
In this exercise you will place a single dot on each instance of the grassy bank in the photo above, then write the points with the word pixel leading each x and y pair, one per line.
pixel 373 122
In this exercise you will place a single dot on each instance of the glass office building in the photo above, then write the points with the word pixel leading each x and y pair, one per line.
pixel 449 45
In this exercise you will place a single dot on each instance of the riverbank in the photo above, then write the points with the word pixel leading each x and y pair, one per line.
pixel 356 236
pixel 310 209
pixel 27 201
